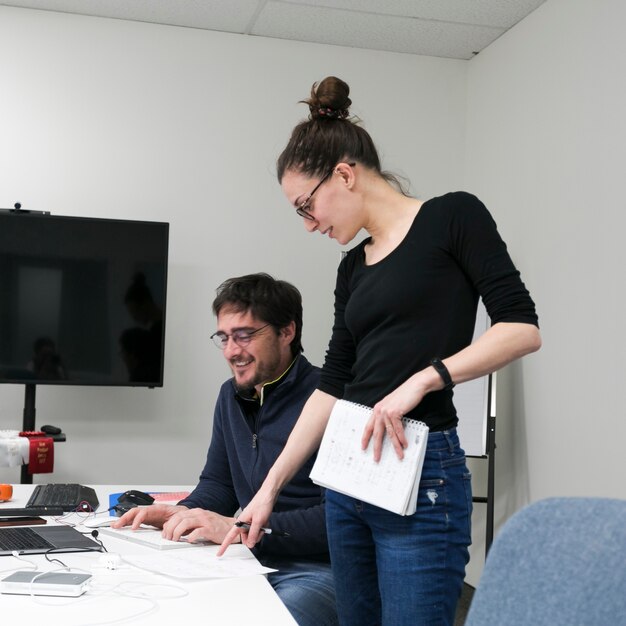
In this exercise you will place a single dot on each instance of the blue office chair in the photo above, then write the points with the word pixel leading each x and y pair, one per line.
pixel 558 562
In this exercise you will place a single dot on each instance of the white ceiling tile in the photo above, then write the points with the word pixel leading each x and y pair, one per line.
pixel 226 15
pixel 446 28
pixel 500 13
pixel 366 30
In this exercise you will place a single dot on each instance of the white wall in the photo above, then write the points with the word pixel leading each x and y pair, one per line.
pixel 546 150
pixel 109 118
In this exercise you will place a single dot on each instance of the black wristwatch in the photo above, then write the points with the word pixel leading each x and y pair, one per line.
pixel 442 370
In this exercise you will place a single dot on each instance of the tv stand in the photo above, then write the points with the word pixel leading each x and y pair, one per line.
pixel 28 424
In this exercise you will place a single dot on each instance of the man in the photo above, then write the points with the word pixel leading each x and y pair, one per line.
pixel 259 328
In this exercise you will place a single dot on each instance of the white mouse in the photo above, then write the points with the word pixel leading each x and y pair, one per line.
pixel 99 522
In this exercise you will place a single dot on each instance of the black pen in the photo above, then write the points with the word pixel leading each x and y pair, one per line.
pixel 267 531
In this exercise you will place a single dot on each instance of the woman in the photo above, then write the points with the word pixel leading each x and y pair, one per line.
pixel 405 308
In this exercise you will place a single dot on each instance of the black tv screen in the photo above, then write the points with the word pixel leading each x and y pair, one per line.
pixel 82 300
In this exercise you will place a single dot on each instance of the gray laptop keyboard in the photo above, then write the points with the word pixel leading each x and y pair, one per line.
pixel 22 539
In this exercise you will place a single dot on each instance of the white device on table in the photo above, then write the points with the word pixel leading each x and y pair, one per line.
pixel 46 583
pixel 99 522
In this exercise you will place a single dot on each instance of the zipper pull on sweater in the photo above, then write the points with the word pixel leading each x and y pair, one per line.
pixel 254 436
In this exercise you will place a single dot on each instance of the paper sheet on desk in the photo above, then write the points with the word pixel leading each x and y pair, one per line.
pixel 200 564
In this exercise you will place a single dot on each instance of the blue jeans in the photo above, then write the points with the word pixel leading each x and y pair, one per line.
pixel 307 589
pixel 405 570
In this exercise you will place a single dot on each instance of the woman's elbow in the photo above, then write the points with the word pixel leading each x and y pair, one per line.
pixel 521 338
pixel 532 339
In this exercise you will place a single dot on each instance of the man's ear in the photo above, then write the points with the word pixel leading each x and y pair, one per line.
pixel 288 332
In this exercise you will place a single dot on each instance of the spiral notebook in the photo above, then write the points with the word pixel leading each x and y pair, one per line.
pixel 342 465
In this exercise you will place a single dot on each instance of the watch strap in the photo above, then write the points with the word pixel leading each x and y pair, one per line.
pixel 442 370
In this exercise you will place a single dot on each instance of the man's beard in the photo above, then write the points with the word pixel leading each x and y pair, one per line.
pixel 265 372
pixel 246 391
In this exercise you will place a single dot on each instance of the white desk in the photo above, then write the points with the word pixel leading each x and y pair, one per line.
pixel 250 599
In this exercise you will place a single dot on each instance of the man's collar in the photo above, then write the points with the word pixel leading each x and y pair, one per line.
pixel 272 384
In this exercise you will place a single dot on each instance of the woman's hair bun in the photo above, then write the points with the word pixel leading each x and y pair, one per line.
pixel 329 99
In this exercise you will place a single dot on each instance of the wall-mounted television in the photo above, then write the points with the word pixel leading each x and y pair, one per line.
pixel 82 300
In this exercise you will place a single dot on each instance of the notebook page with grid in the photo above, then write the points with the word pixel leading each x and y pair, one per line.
pixel 342 465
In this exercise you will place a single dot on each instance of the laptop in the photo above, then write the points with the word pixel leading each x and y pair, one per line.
pixel 41 539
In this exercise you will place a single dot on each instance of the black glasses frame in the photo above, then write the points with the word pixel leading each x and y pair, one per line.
pixel 303 209
pixel 241 337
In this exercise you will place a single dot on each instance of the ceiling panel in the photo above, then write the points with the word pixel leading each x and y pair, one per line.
pixel 498 13
pixel 230 16
pixel 444 28
pixel 375 31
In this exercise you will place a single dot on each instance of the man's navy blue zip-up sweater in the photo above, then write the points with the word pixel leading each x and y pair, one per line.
pixel 240 457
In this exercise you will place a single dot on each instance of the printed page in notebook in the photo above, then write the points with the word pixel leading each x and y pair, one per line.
pixel 343 466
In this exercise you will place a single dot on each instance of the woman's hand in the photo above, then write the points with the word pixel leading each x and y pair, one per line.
pixel 257 514
pixel 387 414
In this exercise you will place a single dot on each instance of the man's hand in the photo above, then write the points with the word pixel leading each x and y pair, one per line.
pixel 197 525
pixel 153 515
pixel 257 514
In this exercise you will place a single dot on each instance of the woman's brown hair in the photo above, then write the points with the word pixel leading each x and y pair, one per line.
pixel 329 136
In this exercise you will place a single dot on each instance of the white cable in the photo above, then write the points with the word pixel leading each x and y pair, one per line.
pixel 16 555
pixel 154 605
pixel 116 589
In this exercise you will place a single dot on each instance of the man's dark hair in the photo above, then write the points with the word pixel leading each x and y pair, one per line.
pixel 273 301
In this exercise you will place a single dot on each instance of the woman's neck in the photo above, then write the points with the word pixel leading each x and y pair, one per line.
pixel 389 215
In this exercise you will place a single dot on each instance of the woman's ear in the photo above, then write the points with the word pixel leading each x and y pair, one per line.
pixel 347 173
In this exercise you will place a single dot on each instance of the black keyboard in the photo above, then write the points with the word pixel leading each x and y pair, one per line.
pixel 69 497
pixel 22 539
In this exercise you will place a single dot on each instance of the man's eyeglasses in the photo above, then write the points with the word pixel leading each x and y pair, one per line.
pixel 241 337
pixel 304 209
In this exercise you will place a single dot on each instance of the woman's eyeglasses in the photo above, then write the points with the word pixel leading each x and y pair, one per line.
pixel 241 337
pixel 304 209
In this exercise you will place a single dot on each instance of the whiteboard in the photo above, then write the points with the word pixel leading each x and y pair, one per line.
pixel 471 400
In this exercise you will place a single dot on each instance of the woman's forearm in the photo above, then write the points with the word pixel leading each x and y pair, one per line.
pixel 500 345
pixel 304 440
